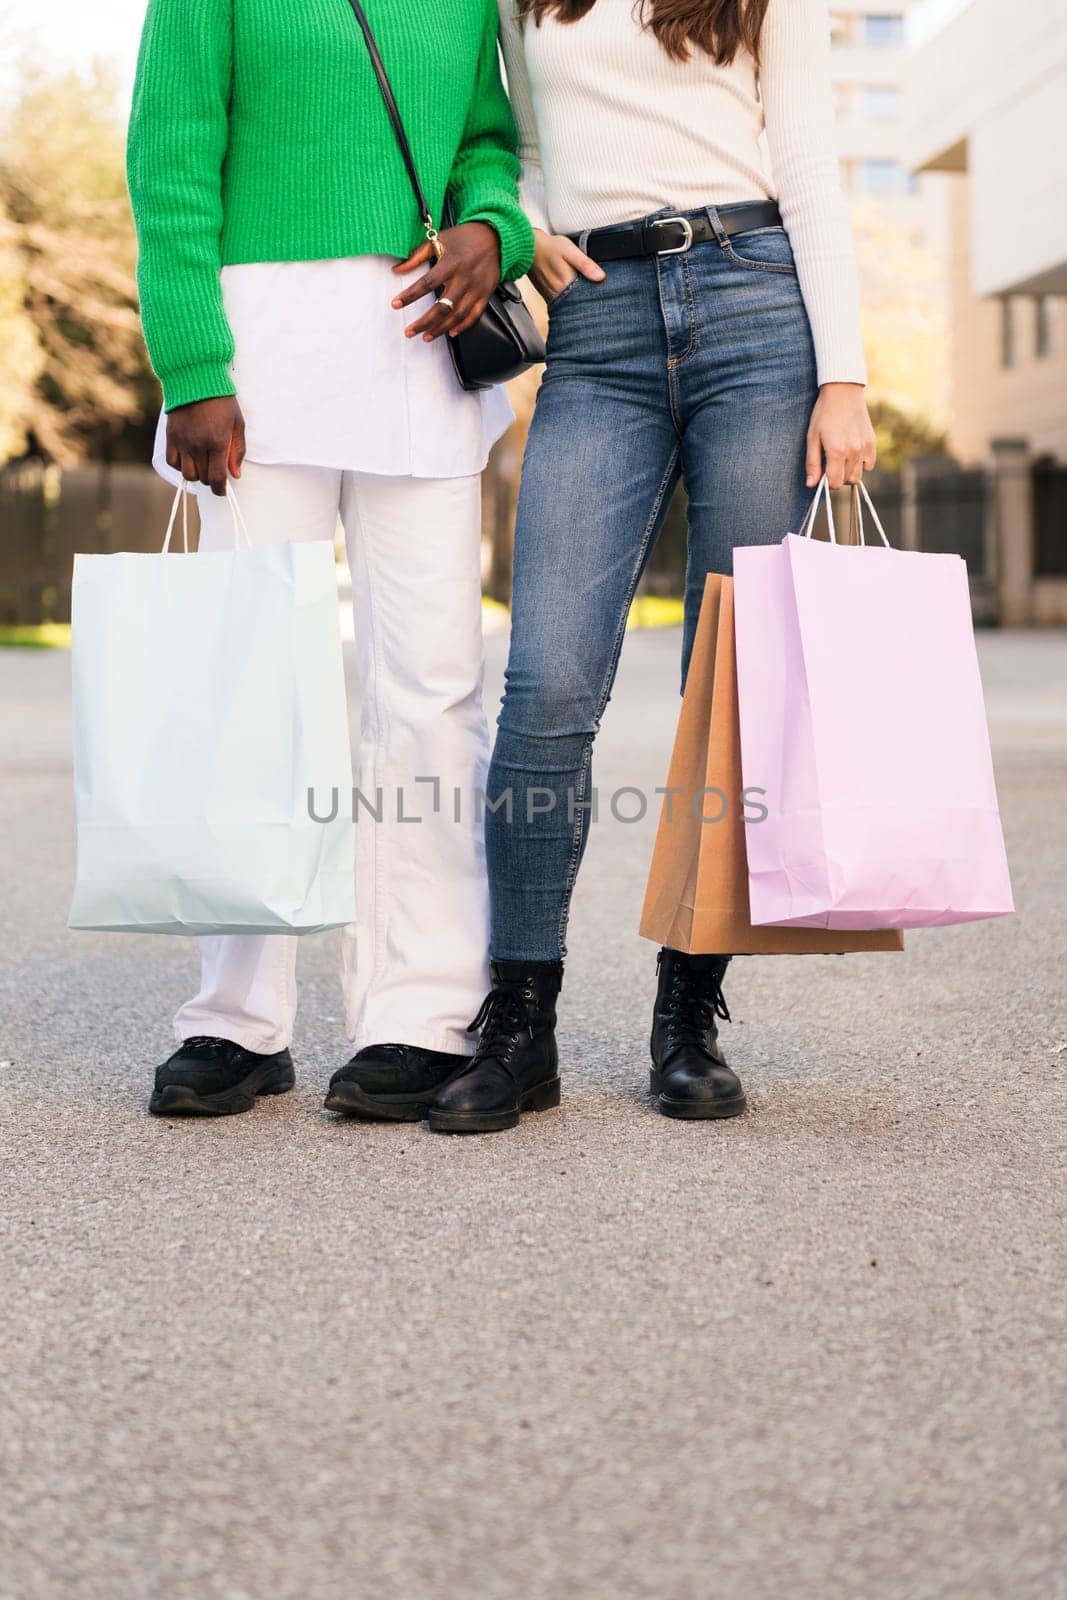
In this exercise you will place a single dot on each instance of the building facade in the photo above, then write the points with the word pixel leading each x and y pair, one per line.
pixel 869 65
pixel 986 104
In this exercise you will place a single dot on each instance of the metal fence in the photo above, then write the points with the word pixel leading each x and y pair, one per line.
pixel 46 514
pixel 1050 519
pixel 934 506
pixel 952 517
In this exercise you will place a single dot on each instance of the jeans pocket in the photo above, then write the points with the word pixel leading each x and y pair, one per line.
pixel 564 292
pixel 762 250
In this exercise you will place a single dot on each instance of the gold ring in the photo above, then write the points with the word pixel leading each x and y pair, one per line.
pixel 443 300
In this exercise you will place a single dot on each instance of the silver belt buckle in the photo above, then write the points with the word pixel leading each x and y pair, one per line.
pixel 676 249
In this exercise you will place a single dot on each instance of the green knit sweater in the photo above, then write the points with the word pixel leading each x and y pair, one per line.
pixel 258 133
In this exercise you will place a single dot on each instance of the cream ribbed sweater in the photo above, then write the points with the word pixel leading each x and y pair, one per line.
pixel 610 128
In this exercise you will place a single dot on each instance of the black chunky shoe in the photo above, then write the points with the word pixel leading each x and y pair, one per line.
pixel 689 1072
pixel 516 1066
pixel 391 1082
pixel 208 1077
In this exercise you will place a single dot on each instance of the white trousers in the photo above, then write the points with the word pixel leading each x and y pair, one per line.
pixel 414 964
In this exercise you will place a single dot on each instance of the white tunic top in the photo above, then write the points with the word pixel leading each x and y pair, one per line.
pixel 326 378
pixel 611 128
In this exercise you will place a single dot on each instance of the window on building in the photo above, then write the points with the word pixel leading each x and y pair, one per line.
pixel 840 28
pixel 880 178
pixel 883 29
pixel 1009 331
pixel 1043 325
pixel 880 103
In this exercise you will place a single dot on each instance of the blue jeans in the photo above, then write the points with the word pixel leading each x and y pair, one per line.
pixel 697 365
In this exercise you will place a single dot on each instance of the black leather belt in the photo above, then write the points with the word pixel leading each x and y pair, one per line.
pixel 672 236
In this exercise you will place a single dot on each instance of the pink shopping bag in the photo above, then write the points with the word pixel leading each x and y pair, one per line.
pixel 863 721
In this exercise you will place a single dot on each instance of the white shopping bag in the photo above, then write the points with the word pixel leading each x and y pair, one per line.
pixel 210 731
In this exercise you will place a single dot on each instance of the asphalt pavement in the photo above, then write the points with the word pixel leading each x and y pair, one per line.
pixel 814 1353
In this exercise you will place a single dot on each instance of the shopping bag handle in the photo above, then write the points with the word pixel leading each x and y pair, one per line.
pixel 807 527
pixel 859 494
pixel 241 537
pixel 182 498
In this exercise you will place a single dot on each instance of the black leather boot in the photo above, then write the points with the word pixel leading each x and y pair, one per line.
pixel 689 1072
pixel 516 1066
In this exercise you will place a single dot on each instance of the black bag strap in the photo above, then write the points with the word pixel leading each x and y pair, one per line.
pixel 397 122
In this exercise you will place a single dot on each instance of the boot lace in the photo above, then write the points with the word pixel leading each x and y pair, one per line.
pixel 694 1001
pixel 502 1017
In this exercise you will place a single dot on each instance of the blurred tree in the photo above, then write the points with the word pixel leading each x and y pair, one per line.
pixel 902 434
pixel 79 380
pixel 21 356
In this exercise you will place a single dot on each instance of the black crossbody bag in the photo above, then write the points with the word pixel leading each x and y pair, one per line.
pixel 505 340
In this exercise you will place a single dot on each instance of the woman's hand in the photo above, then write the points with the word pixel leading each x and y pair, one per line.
pixel 206 441
pixel 466 274
pixel 840 431
pixel 557 261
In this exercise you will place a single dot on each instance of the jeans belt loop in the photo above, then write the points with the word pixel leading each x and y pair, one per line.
pixel 583 241
pixel 721 236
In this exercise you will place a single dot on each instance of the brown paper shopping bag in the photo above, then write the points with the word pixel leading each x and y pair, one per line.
pixel 697 895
